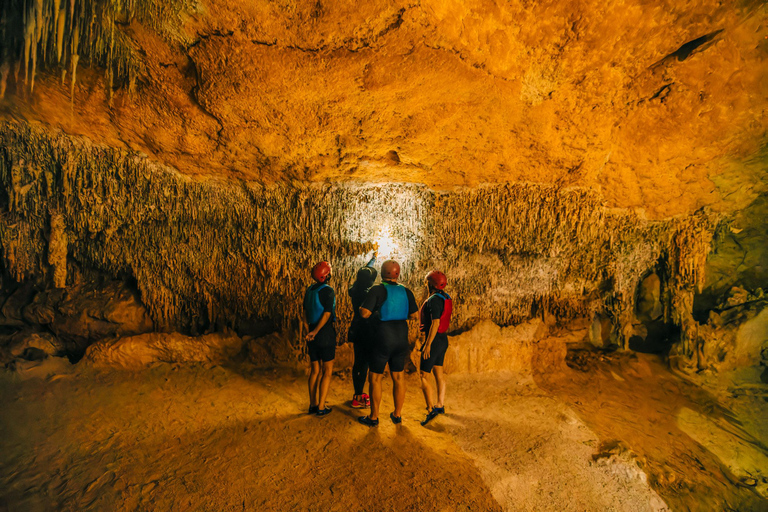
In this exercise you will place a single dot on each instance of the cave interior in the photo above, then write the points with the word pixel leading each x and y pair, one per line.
pixel 591 177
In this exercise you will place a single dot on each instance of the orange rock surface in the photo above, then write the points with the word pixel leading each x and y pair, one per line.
pixel 660 105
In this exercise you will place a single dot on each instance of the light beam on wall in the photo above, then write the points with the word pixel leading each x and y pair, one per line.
pixel 385 244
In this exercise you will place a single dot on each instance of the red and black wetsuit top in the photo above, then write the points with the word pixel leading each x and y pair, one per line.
pixel 438 305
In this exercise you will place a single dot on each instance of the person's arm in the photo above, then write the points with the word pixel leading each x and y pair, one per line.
pixel 372 261
pixel 433 327
pixel 370 302
pixel 323 320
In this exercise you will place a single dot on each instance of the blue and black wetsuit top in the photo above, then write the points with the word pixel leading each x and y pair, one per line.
pixel 318 299
pixel 391 305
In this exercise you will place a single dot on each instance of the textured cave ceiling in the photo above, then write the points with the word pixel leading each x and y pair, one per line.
pixel 661 105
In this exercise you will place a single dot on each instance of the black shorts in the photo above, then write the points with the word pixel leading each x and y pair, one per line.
pixel 321 353
pixel 395 357
pixel 436 353
pixel 390 346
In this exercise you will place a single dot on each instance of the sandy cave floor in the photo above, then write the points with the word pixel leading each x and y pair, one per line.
pixel 235 438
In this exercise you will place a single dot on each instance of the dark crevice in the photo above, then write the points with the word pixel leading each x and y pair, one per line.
pixel 689 48
pixel 662 93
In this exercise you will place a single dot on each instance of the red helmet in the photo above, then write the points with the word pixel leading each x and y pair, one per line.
pixel 436 279
pixel 390 269
pixel 321 271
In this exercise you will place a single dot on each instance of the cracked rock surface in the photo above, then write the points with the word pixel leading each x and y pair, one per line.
pixel 657 104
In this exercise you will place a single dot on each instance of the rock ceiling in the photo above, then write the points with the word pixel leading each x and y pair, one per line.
pixel 661 105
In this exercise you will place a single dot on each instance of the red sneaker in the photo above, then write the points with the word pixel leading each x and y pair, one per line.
pixel 366 399
pixel 358 404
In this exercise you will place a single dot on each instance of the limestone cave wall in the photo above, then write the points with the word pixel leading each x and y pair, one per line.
pixel 208 254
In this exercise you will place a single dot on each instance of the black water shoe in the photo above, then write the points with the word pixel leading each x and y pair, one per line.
pixel 430 416
pixel 395 419
pixel 313 409
pixel 323 412
pixel 365 420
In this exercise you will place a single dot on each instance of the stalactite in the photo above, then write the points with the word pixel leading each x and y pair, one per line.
pixel 29 46
pixel 57 250
pixel 44 29
pixel 61 20
pixel 5 69
pixel 74 58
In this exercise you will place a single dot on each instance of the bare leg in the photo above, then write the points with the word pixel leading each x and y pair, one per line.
pixel 374 386
pixel 325 383
pixel 426 388
pixel 314 374
pixel 398 391
pixel 440 381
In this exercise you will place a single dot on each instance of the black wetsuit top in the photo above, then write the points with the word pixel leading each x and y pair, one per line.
pixel 394 332
pixel 326 337
pixel 360 328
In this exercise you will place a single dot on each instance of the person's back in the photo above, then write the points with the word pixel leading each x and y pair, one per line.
pixel 318 299
pixel 391 308
pixel 389 304
pixel 435 319
pixel 320 315
pixel 360 333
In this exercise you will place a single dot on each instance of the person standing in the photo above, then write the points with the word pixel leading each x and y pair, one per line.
pixel 435 318
pixel 392 304
pixel 360 333
pixel 320 315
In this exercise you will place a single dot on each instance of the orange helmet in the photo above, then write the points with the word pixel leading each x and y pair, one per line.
pixel 390 269
pixel 321 271
pixel 437 280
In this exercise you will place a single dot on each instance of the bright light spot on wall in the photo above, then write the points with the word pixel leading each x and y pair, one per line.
pixel 385 244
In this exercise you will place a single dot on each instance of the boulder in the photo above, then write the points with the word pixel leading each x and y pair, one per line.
pixel 751 341
pixel 89 312
pixel 134 352
pixel 487 347
pixel 84 312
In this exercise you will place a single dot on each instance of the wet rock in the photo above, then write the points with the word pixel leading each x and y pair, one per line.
pixel 751 341
pixel 600 331
pixel 11 312
pixel 50 368
pixel 33 354
pixel 137 351
pixel 649 307
pixel 44 342
pixel 41 310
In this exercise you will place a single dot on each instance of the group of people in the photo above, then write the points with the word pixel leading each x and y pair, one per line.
pixel 379 333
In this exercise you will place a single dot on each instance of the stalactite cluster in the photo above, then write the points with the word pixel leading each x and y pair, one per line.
pixel 221 252
pixel 57 33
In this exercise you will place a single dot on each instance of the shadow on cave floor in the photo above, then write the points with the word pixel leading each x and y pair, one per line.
pixel 678 432
pixel 209 438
